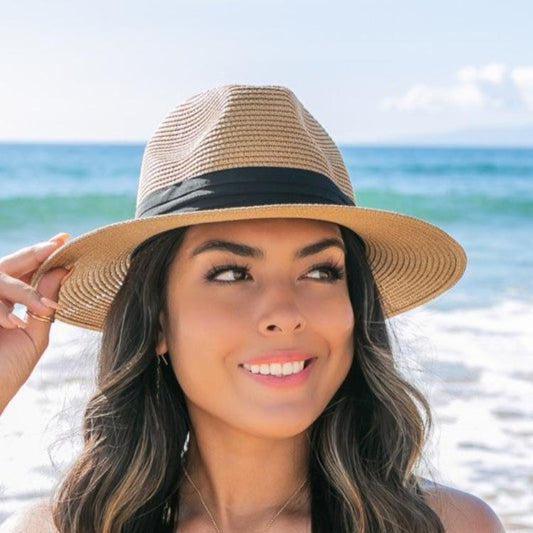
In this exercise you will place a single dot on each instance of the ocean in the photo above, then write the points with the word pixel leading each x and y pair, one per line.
pixel 470 350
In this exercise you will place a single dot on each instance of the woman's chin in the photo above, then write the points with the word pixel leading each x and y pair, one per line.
pixel 281 421
pixel 284 427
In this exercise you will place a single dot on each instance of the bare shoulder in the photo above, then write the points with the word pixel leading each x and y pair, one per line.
pixel 36 517
pixel 461 512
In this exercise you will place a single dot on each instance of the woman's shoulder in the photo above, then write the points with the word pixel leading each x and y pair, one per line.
pixel 459 511
pixel 35 517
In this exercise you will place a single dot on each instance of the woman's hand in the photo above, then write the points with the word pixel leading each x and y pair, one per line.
pixel 23 342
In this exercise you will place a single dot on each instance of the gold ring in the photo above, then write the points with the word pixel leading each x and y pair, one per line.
pixel 42 318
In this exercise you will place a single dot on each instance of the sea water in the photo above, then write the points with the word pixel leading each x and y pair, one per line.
pixel 470 350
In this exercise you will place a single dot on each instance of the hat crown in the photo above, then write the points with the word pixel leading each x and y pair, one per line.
pixel 237 126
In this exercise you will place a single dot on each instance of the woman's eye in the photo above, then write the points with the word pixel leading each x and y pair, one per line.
pixel 332 272
pixel 327 272
pixel 227 273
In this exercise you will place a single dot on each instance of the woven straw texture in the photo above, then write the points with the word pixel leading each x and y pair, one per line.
pixel 241 126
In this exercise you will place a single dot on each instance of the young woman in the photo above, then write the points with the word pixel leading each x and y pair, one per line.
pixel 246 381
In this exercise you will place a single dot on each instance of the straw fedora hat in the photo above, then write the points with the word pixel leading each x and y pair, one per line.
pixel 239 152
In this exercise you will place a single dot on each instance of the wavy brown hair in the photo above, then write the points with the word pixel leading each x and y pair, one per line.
pixel 365 445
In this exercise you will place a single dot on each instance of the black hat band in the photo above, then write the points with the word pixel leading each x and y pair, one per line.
pixel 243 187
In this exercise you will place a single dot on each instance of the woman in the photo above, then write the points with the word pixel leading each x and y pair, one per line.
pixel 246 381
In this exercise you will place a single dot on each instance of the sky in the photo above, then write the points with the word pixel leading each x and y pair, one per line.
pixel 368 71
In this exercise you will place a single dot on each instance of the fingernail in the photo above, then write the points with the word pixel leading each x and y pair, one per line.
pixel 66 276
pixel 50 303
pixel 17 320
pixel 60 237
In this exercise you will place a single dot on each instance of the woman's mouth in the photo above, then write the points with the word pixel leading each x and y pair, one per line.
pixel 280 374
pixel 277 369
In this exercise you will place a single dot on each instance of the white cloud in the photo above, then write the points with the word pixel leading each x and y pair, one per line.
pixel 476 88
pixel 523 79
pixel 420 96
pixel 492 73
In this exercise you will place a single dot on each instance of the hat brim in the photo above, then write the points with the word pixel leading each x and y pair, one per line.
pixel 412 261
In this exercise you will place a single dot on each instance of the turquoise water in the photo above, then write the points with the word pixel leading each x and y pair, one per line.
pixel 482 197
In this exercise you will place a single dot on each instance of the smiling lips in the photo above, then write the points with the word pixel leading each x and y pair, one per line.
pixel 278 364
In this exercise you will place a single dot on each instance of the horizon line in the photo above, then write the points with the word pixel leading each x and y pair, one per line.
pixel 354 144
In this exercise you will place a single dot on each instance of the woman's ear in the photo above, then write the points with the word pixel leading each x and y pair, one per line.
pixel 161 345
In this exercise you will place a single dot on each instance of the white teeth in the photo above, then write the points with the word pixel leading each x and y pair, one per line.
pixel 276 369
pixel 286 369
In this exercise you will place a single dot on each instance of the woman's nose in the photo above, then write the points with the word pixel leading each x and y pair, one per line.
pixel 280 311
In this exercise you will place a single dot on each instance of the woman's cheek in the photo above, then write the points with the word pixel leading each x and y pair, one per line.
pixel 206 327
pixel 335 310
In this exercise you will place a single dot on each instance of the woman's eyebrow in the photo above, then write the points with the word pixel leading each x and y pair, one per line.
pixel 248 251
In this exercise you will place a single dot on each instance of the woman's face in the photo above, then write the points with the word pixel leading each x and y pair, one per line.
pixel 258 296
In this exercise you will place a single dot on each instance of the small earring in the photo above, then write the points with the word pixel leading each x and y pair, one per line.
pixel 162 356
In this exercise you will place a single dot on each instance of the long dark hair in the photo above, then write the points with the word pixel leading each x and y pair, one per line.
pixel 365 445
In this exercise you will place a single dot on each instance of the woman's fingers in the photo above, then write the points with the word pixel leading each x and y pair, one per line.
pixel 16 270
pixel 8 305
pixel 26 278
pixel 16 291
pixel 48 286
pixel 29 259
pixel 5 321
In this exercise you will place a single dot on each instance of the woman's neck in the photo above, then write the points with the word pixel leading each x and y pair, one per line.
pixel 245 479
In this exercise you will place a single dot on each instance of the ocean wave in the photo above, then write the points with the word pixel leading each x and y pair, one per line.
pixel 445 169
pixel 497 337
pixel 474 367
pixel 449 206
pixel 102 208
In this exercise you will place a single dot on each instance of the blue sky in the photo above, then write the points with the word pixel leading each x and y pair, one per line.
pixel 368 71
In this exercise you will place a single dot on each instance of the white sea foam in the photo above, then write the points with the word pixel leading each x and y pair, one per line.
pixel 475 366
pixel 39 429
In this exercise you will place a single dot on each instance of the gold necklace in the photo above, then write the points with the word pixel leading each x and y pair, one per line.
pixel 211 515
